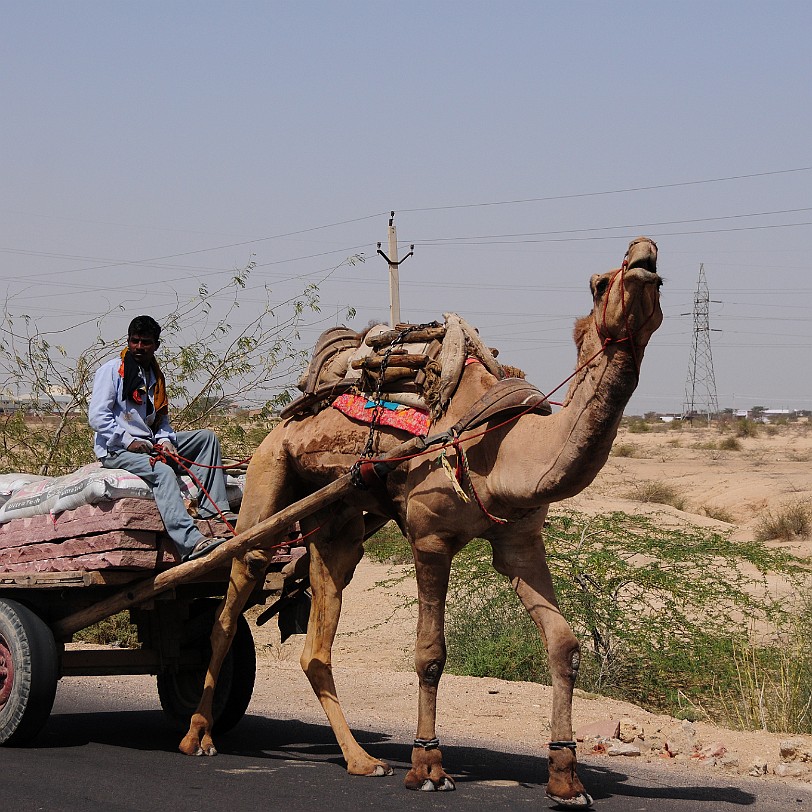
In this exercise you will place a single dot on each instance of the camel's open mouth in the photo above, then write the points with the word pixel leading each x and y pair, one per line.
pixel 642 253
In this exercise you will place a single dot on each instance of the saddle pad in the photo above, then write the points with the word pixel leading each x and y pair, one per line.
pixel 405 418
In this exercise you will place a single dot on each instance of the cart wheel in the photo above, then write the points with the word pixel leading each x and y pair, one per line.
pixel 29 670
pixel 180 691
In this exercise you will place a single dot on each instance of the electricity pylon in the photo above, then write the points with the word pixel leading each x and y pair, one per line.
pixel 700 386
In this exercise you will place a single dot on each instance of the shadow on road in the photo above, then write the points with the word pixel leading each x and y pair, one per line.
pixel 287 740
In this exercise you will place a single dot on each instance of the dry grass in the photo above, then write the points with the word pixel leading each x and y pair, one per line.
pixel 792 521
pixel 624 450
pixel 660 492
pixel 718 513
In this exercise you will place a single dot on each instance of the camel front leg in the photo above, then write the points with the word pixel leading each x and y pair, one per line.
pixel 432 571
pixel 332 563
pixel 244 574
pixel 523 559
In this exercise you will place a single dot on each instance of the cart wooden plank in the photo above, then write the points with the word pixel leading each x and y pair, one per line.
pixel 256 536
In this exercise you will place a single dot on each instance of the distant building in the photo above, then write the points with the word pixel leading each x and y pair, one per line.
pixel 766 415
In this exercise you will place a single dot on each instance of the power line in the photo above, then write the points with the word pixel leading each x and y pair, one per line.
pixel 611 191
pixel 440 240
pixel 612 236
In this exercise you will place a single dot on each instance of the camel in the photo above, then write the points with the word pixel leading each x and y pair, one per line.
pixel 515 468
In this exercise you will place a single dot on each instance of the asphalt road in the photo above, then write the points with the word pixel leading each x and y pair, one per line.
pixel 123 756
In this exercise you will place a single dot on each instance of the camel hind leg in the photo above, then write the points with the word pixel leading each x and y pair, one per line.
pixel 520 555
pixel 334 554
pixel 266 492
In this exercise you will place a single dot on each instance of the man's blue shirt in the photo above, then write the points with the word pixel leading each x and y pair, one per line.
pixel 117 421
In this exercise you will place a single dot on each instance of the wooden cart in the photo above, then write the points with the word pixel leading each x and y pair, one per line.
pixel 54 576
pixel 173 609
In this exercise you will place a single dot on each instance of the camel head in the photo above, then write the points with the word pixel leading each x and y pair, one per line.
pixel 627 300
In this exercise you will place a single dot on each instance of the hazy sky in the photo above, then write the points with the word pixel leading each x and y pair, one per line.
pixel 522 144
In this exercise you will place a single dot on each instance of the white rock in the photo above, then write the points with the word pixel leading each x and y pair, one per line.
pixel 623 749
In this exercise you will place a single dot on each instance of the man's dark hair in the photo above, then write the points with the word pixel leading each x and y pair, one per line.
pixel 144 326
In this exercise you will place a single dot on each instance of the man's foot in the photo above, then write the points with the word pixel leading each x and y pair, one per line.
pixel 203 548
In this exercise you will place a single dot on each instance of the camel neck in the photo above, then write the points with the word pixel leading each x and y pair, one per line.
pixel 580 436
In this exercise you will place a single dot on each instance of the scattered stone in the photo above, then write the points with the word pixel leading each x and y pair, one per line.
pixel 656 742
pixel 605 729
pixel 623 749
pixel 599 748
pixel 794 750
pixel 729 762
pixel 758 768
pixel 791 770
pixel 678 745
pixel 711 751
pixel 628 731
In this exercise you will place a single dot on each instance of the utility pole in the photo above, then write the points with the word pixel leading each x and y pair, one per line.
pixel 700 364
pixel 394 276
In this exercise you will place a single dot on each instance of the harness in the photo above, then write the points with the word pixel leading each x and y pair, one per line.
pixel 510 399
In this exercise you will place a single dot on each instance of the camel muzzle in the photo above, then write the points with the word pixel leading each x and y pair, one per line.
pixel 642 253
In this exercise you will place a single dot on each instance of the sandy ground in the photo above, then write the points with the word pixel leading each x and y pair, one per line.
pixel 374 648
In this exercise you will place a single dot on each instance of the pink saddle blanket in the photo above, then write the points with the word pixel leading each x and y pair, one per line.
pixel 358 407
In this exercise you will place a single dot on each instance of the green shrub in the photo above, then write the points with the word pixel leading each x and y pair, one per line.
pixel 660 612
pixel 746 427
pixel 388 546
pixel 637 425
pixel 624 450
pixel 774 679
pixel 730 444
pixel 116 629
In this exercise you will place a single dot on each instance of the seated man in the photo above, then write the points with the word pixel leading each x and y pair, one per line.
pixel 130 415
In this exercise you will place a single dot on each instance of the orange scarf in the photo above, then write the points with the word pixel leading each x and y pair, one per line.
pixel 134 388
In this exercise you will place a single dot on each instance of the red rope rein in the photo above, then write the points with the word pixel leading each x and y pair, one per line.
pixel 462 467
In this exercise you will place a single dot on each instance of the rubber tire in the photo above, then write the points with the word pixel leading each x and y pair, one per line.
pixel 180 691
pixel 30 695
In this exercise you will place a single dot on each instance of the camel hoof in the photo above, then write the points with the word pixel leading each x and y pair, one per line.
pixel 446 785
pixel 382 770
pixel 581 801
pixel 211 751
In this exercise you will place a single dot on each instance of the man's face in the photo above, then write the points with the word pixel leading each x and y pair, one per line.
pixel 142 348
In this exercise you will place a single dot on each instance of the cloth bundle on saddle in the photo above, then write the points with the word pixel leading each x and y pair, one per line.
pixel 418 366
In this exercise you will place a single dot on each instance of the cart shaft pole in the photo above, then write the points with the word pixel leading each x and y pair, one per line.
pixel 255 536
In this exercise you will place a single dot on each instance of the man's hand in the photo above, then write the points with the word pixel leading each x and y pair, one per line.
pixel 140 447
pixel 168 448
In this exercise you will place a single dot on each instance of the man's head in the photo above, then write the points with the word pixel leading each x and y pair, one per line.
pixel 143 338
